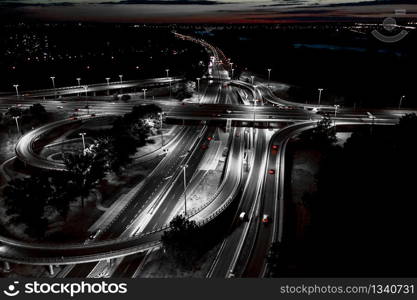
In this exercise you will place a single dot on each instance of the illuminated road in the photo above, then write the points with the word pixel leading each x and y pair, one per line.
pixel 98 87
pixel 139 226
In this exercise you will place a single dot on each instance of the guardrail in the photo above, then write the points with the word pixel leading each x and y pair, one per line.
pixel 104 85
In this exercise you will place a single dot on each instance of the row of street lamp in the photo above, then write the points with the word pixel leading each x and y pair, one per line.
pixel 320 90
pixel 78 79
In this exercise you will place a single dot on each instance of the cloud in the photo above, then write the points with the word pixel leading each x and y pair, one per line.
pixel 167 2
pixel 18 3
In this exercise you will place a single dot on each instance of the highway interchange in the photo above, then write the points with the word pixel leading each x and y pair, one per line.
pixel 259 125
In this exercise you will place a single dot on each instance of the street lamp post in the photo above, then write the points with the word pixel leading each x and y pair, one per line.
pixel 17 123
pixel 144 93
pixel 320 91
pixel 401 101
pixel 86 99
pixel 16 86
pixel 269 76
pixel 184 167
pixel 83 138
pixel 79 84
pixel 254 111
pixel 233 71
pixel 53 84
pixel 336 107
pixel 121 82
pixel 161 115
pixel 170 92
pixel 53 81
pixel 252 77
pixel 108 85
pixel 372 117
pixel 198 87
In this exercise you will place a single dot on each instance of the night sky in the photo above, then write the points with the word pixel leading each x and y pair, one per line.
pixel 216 11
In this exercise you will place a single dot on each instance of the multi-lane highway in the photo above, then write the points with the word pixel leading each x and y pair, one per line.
pixel 93 88
pixel 150 204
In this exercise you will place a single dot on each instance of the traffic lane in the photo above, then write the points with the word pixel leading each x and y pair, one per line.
pixel 265 230
pixel 211 111
pixel 133 210
pixel 81 271
pixel 223 264
pixel 43 254
pixel 233 177
pixel 128 266
pixel 97 87
pixel 154 182
pixel 161 217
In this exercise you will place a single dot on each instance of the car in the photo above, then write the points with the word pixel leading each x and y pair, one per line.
pixel 73 118
pixel 275 147
pixel 93 115
pixel 271 171
pixel 204 146
pixel 266 219
pixel 60 107
pixel 228 111
pixel 94 234
pixel 76 109
pixel 243 217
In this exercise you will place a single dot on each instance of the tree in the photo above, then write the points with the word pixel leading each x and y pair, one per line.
pixel 183 91
pixel 14 112
pixel 128 133
pixel 323 135
pixel 62 194
pixel 26 200
pixel 37 112
pixel 125 97
pixel 181 241
pixel 85 170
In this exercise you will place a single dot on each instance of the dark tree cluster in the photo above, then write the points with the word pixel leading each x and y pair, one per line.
pixel 182 242
pixel 34 115
pixel 321 136
pixel 182 91
pixel 363 214
pixel 31 200
pixel 128 133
